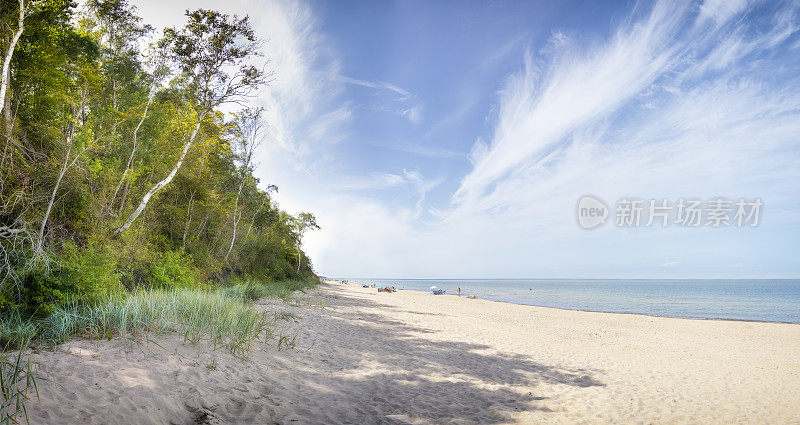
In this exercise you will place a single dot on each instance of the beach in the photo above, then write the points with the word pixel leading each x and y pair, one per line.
pixel 353 355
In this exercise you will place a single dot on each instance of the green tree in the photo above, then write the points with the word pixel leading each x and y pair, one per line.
pixel 211 53
pixel 303 223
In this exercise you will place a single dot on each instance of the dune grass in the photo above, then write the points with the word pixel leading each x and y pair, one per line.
pixel 251 290
pixel 225 318
pixel 196 314
pixel 17 383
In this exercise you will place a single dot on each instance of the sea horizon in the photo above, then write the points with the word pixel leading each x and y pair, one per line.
pixel 754 300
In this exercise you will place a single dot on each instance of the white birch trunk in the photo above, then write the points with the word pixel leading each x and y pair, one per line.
pixel 235 219
pixel 61 172
pixel 5 77
pixel 188 221
pixel 158 186
pixel 39 249
pixel 298 257
pixel 133 150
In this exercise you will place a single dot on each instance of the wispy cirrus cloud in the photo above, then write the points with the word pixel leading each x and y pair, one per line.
pixel 410 107
pixel 682 99
pixel 371 181
pixel 378 85
pixel 428 149
pixel 301 108
pixel 578 88
pixel 671 100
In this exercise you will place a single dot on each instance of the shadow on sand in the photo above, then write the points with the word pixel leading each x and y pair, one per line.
pixel 414 379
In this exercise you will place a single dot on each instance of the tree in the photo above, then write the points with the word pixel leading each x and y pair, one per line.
pixel 211 53
pixel 247 131
pixel 302 223
pixel 264 198
pixel 160 70
pixel 5 76
pixel 70 143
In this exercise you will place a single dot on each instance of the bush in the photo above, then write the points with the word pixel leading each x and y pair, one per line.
pixel 77 275
pixel 88 275
pixel 175 269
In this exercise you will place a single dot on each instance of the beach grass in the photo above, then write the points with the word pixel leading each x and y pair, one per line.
pixel 17 383
pixel 198 315
pixel 225 318
pixel 250 290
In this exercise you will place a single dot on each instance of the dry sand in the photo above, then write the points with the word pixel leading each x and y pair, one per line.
pixel 410 357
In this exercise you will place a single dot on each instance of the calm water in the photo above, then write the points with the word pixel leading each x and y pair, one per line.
pixel 761 300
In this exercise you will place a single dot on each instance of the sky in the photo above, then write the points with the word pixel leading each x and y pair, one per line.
pixel 454 139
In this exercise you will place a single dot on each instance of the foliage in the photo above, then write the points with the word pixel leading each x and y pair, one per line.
pixel 174 270
pixel 99 129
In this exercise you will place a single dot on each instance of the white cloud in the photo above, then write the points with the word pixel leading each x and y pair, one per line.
pixel 372 181
pixel 301 107
pixel 429 150
pixel 414 114
pixel 378 85
pixel 567 135
pixel 412 107
pixel 720 11
pixel 577 89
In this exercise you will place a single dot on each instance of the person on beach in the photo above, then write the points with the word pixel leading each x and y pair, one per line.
pixel 459 291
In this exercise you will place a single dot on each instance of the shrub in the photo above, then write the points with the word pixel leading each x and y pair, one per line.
pixel 88 275
pixel 174 269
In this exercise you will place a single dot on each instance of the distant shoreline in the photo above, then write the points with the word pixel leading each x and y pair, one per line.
pixel 726 319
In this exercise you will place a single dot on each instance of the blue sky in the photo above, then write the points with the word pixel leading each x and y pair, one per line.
pixel 453 139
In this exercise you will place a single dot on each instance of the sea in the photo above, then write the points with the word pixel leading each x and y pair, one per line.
pixel 750 300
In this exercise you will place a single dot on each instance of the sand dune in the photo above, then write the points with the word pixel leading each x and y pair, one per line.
pixel 409 357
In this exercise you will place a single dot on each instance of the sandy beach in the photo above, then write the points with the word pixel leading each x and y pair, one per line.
pixel 413 358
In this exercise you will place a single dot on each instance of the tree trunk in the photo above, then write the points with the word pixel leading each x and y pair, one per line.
pixel 298 256
pixel 61 172
pixel 8 138
pixel 235 218
pixel 9 119
pixel 233 238
pixel 133 151
pixel 39 249
pixel 162 183
pixel 5 77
